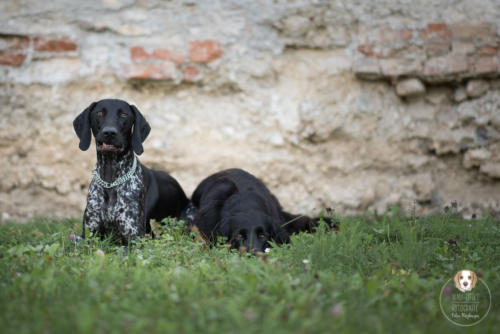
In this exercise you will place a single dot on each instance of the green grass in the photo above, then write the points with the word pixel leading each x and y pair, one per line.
pixel 379 274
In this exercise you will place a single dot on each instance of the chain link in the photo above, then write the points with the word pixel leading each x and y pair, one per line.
pixel 122 179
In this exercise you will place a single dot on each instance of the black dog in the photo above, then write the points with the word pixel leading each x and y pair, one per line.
pixel 123 195
pixel 236 205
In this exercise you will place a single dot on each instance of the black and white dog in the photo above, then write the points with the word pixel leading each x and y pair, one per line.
pixel 237 205
pixel 124 194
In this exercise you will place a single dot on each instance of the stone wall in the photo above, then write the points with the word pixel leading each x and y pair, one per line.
pixel 352 105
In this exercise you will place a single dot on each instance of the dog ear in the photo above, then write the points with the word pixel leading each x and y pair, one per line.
pixel 456 279
pixel 474 280
pixel 81 124
pixel 140 132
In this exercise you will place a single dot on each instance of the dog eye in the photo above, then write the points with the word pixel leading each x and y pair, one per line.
pixel 123 115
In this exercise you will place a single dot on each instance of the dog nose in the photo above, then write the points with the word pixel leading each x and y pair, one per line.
pixel 466 283
pixel 109 132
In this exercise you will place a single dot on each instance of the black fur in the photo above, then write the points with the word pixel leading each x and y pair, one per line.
pixel 236 205
pixel 124 210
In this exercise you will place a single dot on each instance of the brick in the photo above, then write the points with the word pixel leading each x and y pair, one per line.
pixel 400 67
pixel 406 35
pixel 191 74
pixel 486 65
pixel 386 52
pixel 63 44
pixel 164 71
pixel 457 65
pixel 170 55
pixel 138 54
pixel 415 50
pixel 372 51
pixel 13 42
pixel 388 35
pixel 367 50
pixel 475 32
pixel 204 51
pixel 463 48
pixel 437 48
pixel 436 31
pixel 488 50
pixel 446 65
pixel 11 58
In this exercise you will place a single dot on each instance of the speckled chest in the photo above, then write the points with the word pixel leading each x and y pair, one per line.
pixel 119 209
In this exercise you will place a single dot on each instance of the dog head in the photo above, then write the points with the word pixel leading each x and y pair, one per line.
pixel 465 280
pixel 116 125
pixel 253 231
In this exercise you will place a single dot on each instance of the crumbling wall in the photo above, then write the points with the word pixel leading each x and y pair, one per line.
pixel 352 105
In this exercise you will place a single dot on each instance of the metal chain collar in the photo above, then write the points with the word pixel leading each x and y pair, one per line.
pixel 122 179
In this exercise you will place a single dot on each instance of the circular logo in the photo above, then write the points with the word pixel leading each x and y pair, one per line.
pixel 465 300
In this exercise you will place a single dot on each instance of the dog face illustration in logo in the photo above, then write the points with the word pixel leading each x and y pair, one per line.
pixel 465 280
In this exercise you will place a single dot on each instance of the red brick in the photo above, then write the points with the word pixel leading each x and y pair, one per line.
pixel 62 44
pixel 170 55
pixel 20 43
pixel 406 35
pixel 388 35
pixel 11 58
pixel 137 53
pixel 14 42
pixel 386 52
pixel 367 50
pixel 164 71
pixel 488 50
pixel 485 65
pixel 436 31
pixel 191 74
pixel 204 51
pixel 372 51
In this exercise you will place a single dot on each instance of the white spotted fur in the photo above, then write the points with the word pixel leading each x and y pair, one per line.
pixel 119 210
